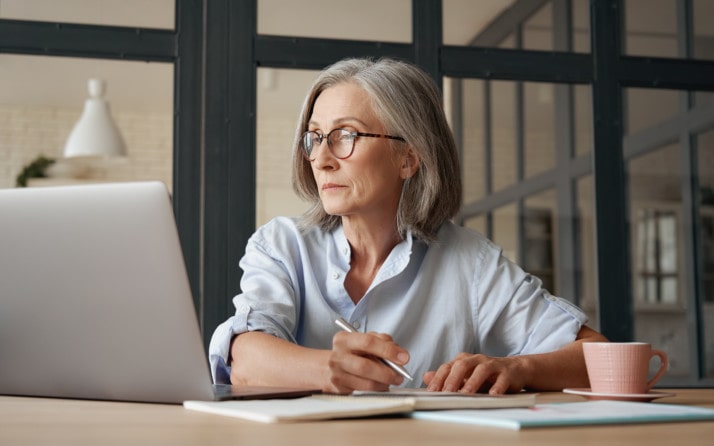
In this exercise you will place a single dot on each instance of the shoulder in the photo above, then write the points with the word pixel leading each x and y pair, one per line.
pixel 467 251
pixel 285 233
pixel 278 228
pixel 460 240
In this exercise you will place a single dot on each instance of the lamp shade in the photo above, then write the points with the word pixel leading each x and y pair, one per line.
pixel 95 134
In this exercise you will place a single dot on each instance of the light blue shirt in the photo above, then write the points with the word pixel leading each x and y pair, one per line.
pixel 456 294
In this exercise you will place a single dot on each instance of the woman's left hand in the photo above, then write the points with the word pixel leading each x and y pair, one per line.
pixel 471 373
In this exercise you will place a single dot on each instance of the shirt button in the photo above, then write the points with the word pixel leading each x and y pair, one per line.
pixel 335 275
pixel 356 324
pixel 345 251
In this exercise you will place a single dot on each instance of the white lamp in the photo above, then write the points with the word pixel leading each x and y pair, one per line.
pixel 95 134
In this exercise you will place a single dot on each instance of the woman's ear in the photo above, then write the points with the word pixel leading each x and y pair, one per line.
pixel 410 164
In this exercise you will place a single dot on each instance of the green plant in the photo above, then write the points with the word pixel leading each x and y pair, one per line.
pixel 36 169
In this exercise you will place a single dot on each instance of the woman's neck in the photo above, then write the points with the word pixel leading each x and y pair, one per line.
pixel 370 246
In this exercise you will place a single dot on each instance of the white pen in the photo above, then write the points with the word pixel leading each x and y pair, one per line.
pixel 346 326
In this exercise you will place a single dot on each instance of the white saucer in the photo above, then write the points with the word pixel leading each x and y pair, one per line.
pixel 587 393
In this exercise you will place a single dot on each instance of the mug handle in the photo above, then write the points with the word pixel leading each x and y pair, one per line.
pixel 662 368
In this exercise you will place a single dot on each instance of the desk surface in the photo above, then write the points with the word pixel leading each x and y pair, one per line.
pixel 29 421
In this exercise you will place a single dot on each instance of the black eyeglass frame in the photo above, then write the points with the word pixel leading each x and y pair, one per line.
pixel 322 136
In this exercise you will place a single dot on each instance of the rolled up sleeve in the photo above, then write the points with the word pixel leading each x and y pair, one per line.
pixel 519 316
pixel 267 302
pixel 557 325
pixel 218 352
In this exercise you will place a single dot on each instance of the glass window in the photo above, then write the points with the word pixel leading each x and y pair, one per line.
pixel 505 231
pixel 702 13
pixel 581 26
pixel 656 247
pixel 585 277
pixel 705 155
pixel 134 13
pixel 538 30
pixel 45 99
pixel 337 19
pixel 649 107
pixel 583 110
pixel 503 133
pixel 651 28
pixel 279 99
pixel 509 43
pixel 539 132
pixel 539 219
pixel 465 20
pixel 655 197
pixel 473 139
pixel 703 98
pixel 477 224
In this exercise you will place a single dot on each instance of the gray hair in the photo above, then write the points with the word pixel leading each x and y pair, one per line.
pixel 407 102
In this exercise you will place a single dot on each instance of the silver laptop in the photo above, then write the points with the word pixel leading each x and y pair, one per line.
pixel 94 298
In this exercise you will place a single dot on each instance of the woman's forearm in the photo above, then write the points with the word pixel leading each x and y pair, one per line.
pixel 261 359
pixel 562 368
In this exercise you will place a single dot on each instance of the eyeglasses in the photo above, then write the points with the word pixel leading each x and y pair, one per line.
pixel 341 142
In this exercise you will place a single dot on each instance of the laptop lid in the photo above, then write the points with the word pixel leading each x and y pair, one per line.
pixel 94 297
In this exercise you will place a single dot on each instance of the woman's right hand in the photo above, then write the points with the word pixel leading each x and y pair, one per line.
pixel 354 362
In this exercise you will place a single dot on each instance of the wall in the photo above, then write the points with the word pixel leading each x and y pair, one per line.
pixel 27 132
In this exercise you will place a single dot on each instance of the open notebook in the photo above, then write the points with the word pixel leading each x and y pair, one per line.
pixel 426 400
pixel 359 404
pixel 312 408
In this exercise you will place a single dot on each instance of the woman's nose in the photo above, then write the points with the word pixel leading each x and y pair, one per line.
pixel 322 155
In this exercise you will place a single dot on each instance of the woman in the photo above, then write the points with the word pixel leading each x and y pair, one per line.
pixel 374 156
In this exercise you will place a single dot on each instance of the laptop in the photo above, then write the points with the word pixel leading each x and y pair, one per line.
pixel 95 301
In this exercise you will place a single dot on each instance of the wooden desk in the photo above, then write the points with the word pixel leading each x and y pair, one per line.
pixel 29 421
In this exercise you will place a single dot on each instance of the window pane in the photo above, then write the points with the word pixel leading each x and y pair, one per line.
pixel 539 138
pixel 465 20
pixel 655 196
pixel 538 30
pixel 702 13
pixel 655 201
pixel 509 43
pixel 279 98
pixel 503 133
pixel 703 98
pixel 705 156
pixel 505 230
pixel 583 132
pixel 45 99
pixel 477 224
pixel 538 238
pixel 134 13
pixel 586 280
pixel 581 26
pixel 473 140
pixel 651 28
pixel 337 19
pixel 649 107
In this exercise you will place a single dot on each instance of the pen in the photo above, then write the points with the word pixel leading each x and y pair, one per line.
pixel 346 326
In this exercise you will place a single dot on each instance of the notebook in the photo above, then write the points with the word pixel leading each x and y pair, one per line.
pixel 95 301
pixel 312 408
pixel 572 414
pixel 426 400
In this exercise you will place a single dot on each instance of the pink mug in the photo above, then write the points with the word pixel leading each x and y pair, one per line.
pixel 622 367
